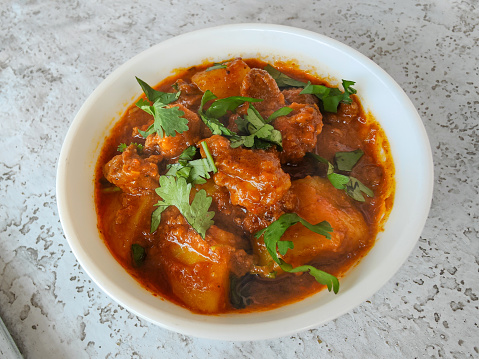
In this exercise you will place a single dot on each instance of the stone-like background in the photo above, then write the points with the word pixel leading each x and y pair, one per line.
pixel 54 53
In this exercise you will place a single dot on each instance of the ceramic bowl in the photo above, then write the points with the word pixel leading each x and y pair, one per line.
pixel 379 94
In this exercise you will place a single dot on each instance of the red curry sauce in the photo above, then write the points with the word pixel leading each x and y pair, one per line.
pixel 230 270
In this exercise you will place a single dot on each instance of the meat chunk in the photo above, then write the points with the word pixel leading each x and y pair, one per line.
pixel 254 178
pixel 292 95
pixel 235 218
pixel 190 95
pixel 132 173
pixel 346 113
pixel 223 82
pixel 299 130
pixel 259 84
pixel 340 137
pixel 125 218
pixel 172 146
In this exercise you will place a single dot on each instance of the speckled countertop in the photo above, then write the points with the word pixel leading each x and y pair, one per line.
pixel 52 56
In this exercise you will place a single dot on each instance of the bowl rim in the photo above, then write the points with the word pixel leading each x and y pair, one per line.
pixel 265 325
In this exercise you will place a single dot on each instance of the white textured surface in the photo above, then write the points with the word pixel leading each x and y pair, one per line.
pixel 52 56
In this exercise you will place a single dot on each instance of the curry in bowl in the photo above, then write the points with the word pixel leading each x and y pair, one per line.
pixel 242 186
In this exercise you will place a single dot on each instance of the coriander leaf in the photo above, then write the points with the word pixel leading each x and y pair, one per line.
pixel 272 239
pixel 156 218
pixel 148 131
pixel 321 277
pixel 261 135
pixel 354 188
pixel 242 125
pixel 167 120
pixel 209 157
pixel 348 89
pixel 351 185
pixel 283 111
pixel 220 107
pixel 194 171
pixel 138 254
pixel 176 192
pixel 188 154
pixel 122 147
pixel 347 160
pixel 207 96
pixel 339 181
pixel 153 95
pixel 111 189
pixel 216 66
pixel 216 127
pixel 283 80
pixel 323 160
pixel 272 233
pixel 319 90
pixel 331 96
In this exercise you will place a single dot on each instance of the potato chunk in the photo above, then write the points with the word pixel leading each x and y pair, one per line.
pixel 223 82
pixel 197 270
pixel 319 201
pixel 316 200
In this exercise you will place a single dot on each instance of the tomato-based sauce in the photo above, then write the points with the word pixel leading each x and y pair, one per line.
pixel 259 177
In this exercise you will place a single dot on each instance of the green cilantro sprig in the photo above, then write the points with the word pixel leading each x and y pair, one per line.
pixel 282 79
pixel 176 192
pixel 218 109
pixel 123 146
pixel 216 65
pixel 176 185
pixel 194 171
pixel 272 239
pixel 260 134
pixel 329 96
pixel 345 161
pixel 167 120
pixel 138 254
pixel 216 127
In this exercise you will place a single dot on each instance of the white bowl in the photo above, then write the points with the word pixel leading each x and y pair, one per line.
pixel 379 94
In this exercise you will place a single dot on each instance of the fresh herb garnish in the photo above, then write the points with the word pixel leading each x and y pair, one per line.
pixel 123 146
pixel 272 239
pixel 283 80
pixel 216 66
pixel 261 134
pixel 167 120
pixel 347 160
pixel 138 254
pixel 352 186
pixel 220 107
pixel 331 96
pixel 176 192
pixel 283 111
pixel 111 189
pixel 216 127
pixel 194 171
